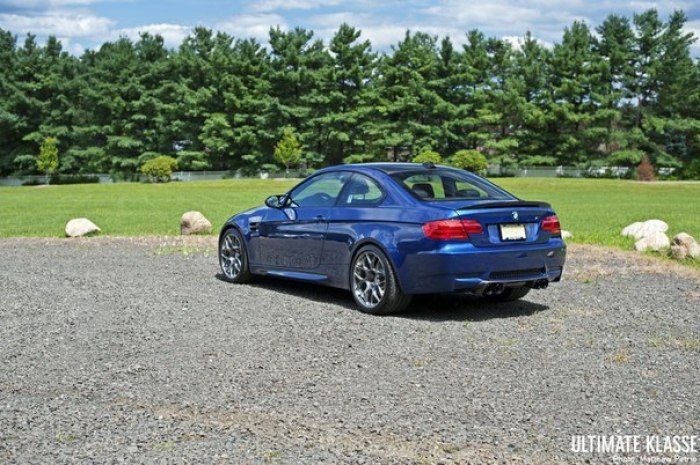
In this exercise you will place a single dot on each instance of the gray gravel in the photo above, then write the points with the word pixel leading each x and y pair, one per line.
pixel 133 351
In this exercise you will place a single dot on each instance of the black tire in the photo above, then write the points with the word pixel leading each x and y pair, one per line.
pixel 233 257
pixel 510 294
pixel 373 283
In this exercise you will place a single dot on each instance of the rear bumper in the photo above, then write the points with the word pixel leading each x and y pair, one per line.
pixel 462 267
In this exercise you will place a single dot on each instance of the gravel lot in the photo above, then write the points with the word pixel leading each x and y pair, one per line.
pixel 133 351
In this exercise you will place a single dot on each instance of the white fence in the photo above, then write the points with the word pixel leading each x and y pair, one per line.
pixel 525 172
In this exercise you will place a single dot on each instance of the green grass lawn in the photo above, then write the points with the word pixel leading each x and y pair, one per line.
pixel 128 208
pixel 594 210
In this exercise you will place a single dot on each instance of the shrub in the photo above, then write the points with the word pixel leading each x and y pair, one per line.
pixel 26 164
pixel 470 160
pixel 539 160
pixel 358 158
pixel 691 170
pixel 74 179
pixel 159 169
pixel 645 170
pixel 427 156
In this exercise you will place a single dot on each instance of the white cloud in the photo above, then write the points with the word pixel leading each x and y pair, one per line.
pixel 274 5
pixel 664 7
pixel 251 25
pixel 44 4
pixel 63 24
pixel 74 48
pixel 544 18
pixel 173 34
pixel 383 22
pixel 518 41
pixel 381 32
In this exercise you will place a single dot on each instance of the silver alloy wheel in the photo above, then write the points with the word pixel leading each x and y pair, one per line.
pixel 231 256
pixel 369 279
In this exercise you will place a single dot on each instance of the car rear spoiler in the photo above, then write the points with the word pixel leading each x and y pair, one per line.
pixel 506 204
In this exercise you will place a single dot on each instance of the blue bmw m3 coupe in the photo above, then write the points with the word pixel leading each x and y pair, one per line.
pixel 388 231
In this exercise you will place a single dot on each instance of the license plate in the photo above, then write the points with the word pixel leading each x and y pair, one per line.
pixel 513 232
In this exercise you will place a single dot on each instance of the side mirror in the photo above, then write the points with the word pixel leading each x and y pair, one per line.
pixel 275 201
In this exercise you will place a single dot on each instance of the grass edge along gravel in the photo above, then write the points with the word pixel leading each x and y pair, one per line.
pixel 594 210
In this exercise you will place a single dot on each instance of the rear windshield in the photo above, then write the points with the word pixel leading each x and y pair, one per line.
pixel 449 185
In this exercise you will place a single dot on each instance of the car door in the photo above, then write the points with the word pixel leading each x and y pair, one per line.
pixel 293 236
pixel 355 216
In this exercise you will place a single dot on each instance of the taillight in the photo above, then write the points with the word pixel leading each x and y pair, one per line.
pixel 551 224
pixel 451 229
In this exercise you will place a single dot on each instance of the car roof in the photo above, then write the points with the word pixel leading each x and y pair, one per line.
pixel 390 168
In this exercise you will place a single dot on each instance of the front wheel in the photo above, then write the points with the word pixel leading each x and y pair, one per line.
pixel 233 257
pixel 374 285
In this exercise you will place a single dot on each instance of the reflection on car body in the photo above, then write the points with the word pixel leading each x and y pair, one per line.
pixel 388 231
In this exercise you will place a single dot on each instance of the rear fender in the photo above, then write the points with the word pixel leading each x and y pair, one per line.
pixel 371 241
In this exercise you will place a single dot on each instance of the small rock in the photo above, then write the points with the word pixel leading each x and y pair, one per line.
pixel 640 230
pixel 678 252
pixel 683 239
pixel 194 223
pixel 684 246
pixel 656 242
pixel 79 227
pixel 566 234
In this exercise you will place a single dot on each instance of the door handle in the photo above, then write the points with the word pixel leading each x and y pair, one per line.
pixel 320 218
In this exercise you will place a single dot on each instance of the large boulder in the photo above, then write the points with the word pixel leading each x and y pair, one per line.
pixel 79 227
pixel 655 242
pixel 640 230
pixel 631 229
pixel 683 239
pixel 194 223
pixel 683 246
pixel 694 250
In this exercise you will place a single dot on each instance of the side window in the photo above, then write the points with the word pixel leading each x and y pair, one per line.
pixel 319 191
pixel 442 187
pixel 361 191
pixel 466 190
pixel 426 186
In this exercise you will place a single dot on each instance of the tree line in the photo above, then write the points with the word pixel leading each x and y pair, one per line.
pixel 601 97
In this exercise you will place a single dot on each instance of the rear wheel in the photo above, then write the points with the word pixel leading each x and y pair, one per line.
pixel 509 294
pixel 233 257
pixel 374 285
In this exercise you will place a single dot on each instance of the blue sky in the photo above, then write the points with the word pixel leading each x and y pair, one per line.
pixel 82 24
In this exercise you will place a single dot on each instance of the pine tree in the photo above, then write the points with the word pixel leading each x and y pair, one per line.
pixel 408 104
pixel 345 82
pixel 575 72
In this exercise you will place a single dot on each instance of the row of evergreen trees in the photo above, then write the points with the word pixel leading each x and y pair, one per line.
pixel 600 97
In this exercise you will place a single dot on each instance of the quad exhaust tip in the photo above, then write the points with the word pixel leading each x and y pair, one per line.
pixel 539 284
pixel 494 289
pixel 498 288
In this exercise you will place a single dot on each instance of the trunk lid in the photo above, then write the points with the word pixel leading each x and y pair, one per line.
pixel 507 222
